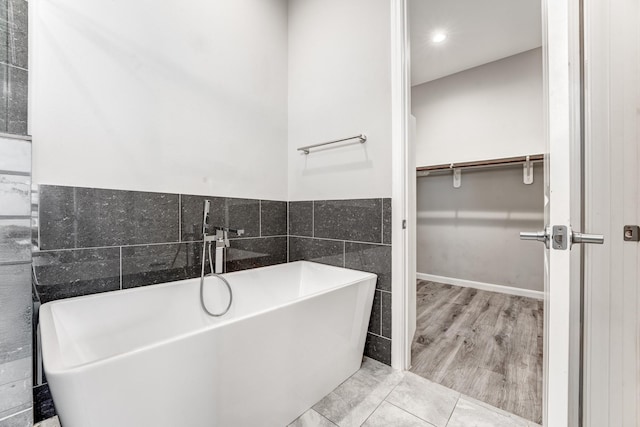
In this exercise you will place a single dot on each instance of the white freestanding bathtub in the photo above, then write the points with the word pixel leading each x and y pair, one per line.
pixel 150 357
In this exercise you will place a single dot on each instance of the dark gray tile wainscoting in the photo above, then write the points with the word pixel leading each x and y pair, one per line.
pixel 73 217
pixel 96 240
pixel 355 234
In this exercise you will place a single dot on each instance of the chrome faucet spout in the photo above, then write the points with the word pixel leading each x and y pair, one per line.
pixel 237 231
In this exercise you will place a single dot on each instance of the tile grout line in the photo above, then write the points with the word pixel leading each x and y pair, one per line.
pixel 496 410
pixel 454 408
pixel 12 29
pixel 17 68
pixel 409 412
pixel 313 218
pixel 6 85
pixel 259 218
pixel 383 400
pixel 8 49
pixel 9 217
pixel 379 336
pixel 380 312
pixel 15 173
pixel 179 217
pixel 115 246
pixel 120 267
pixel 19 408
pixel 288 230
pixel 311 409
pixel 344 254
pixel 17 413
pixel 135 245
pixel 26 138
pixel 10 263
pixel 257 237
pixel 75 211
pixel 341 240
pixel 382 220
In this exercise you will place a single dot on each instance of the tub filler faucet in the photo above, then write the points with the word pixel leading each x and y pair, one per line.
pixel 221 238
pixel 222 243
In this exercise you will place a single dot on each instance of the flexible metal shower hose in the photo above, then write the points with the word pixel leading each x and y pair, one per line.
pixel 202 275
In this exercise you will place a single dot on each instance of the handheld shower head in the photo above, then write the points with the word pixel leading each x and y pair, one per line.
pixel 205 216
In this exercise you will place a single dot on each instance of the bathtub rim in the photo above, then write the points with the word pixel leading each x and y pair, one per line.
pixel 50 339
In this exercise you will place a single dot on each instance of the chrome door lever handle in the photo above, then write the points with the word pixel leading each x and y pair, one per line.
pixel 538 236
pixel 560 237
pixel 597 239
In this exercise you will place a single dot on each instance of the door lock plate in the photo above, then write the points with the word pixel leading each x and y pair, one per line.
pixel 559 238
pixel 631 233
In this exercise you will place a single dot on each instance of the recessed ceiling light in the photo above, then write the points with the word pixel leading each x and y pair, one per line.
pixel 439 37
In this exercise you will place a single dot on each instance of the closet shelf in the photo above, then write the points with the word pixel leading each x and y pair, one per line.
pixel 482 163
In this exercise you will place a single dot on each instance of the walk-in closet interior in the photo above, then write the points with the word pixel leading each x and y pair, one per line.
pixel 477 103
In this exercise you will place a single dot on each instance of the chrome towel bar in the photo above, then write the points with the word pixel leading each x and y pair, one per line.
pixel 362 137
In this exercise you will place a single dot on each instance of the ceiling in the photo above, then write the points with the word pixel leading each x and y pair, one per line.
pixel 478 32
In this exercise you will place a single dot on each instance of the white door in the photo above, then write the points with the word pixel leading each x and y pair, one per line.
pixel 563 213
pixel 562 194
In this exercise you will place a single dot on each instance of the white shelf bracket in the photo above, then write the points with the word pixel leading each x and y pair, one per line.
pixel 457 177
pixel 527 171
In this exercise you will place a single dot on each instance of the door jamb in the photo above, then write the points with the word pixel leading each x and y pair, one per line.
pixel 400 111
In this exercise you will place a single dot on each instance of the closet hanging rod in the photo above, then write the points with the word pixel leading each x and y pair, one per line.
pixel 362 137
pixel 482 163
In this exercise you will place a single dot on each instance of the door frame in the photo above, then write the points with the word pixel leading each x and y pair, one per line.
pixel 560 23
pixel 401 253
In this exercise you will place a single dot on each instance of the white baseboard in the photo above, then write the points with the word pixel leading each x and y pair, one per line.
pixel 481 285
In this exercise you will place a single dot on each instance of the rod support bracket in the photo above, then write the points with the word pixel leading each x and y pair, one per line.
pixel 527 171
pixel 457 177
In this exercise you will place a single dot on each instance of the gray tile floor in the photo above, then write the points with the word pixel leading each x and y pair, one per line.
pixel 379 396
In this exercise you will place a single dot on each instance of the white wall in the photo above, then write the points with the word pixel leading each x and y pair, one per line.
pixel 472 232
pixel 491 111
pixel 339 85
pixel 167 96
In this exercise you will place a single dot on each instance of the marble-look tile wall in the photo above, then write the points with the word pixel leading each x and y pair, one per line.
pixel 15 283
pixel 13 66
pixel 355 234
pixel 15 207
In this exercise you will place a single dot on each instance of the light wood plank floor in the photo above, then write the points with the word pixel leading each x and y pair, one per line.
pixel 483 344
